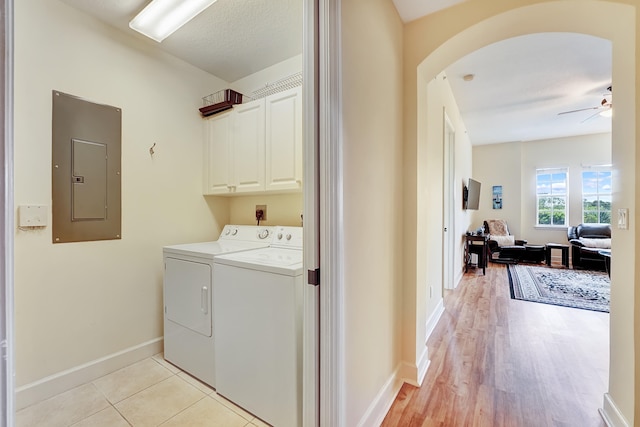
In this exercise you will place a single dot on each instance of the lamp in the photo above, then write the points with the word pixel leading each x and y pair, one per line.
pixel 160 18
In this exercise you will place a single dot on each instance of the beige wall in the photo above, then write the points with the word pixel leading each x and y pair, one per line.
pixel 372 149
pixel 435 41
pixel 282 209
pixel 78 302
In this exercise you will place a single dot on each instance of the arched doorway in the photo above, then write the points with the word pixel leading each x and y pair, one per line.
pixel 432 44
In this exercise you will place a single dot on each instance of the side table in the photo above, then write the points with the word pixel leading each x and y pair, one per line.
pixel 563 248
pixel 476 244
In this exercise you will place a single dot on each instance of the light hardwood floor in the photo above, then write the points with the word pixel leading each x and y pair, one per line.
pixel 502 362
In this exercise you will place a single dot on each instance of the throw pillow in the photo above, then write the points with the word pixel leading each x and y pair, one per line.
pixel 504 240
pixel 498 227
pixel 596 243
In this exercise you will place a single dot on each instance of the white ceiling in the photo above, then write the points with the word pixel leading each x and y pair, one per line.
pixel 521 84
pixel 231 39
pixel 519 87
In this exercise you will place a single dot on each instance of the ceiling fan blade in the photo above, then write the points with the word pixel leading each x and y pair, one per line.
pixel 575 111
pixel 590 117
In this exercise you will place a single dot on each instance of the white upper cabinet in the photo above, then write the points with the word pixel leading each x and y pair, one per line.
pixel 256 147
pixel 218 172
pixel 248 147
pixel 284 140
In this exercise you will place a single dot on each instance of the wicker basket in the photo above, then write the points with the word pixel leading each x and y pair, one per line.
pixel 220 101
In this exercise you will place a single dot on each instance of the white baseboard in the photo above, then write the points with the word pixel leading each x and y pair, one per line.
pixel 384 399
pixel 47 387
pixel 405 373
pixel 433 320
pixel 611 414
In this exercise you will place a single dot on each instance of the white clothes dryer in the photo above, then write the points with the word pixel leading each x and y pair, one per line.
pixel 258 328
pixel 188 303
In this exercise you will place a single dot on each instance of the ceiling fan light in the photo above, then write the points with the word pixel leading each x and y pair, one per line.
pixel 161 18
pixel 607 113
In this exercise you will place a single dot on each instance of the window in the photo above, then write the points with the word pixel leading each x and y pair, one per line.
pixel 596 195
pixel 551 197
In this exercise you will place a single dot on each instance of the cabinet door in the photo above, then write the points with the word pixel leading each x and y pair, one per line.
pixel 217 156
pixel 248 147
pixel 283 143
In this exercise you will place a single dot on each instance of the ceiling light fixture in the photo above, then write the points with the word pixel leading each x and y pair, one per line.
pixel 607 113
pixel 160 18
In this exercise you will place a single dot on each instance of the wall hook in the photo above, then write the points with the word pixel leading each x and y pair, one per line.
pixel 151 151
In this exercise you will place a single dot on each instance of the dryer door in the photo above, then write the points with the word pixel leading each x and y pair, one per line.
pixel 187 294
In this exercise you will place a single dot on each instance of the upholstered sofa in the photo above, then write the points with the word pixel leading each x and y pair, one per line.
pixel 587 240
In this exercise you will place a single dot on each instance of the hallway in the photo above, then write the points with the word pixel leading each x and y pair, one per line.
pixel 502 362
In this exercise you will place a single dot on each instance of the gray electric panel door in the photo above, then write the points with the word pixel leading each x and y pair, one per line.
pixel 86 180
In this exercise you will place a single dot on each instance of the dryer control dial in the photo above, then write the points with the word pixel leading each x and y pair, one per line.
pixel 288 236
pixel 234 232
pixel 263 234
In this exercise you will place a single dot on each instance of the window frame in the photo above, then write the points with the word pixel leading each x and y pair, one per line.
pixel 552 194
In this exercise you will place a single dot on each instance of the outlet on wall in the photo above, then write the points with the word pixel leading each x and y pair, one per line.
pixel 262 208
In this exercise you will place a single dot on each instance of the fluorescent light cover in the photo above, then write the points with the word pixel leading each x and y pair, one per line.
pixel 607 113
pixel 162 17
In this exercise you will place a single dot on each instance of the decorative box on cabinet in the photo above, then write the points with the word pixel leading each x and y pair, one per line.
pixel 256 147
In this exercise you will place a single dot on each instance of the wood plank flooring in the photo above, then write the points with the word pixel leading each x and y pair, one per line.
pixel 502 362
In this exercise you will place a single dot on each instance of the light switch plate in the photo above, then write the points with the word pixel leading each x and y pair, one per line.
pixel 623 219
pixel 32 216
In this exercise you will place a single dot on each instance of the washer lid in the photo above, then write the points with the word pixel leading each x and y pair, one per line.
pixel 274 260
pixel 209 249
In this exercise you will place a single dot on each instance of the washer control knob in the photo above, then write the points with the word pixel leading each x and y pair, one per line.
pixel 227 232
pixel 263 234
pixel 288 236
pixel 279 236
pixel 234 232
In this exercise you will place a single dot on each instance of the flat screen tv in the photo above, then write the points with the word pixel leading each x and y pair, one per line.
pixel 473 194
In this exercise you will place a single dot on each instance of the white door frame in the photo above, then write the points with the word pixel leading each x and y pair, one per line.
pixel 7 356
pixel 332 386
pixel 311 223
pixel 448 209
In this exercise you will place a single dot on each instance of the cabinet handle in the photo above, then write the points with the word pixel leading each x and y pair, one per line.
pixel 204 300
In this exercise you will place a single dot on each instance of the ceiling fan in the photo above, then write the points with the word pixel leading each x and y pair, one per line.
pixel 604 108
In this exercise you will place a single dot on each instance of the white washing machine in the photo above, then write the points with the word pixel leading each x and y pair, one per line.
pixel 188 303
pixel 258 328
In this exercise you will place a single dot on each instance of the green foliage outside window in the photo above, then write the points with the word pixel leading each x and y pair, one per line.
pixel 596 196
pixel 551 192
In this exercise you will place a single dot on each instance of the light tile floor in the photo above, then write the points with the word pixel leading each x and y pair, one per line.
pixel 151 392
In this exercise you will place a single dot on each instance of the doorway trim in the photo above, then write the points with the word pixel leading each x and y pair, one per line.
pixel 7 353
pixel 332 385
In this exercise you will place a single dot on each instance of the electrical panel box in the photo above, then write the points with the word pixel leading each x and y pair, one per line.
pixel 86 177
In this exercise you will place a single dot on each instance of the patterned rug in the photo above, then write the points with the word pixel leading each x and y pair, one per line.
pixel 588 290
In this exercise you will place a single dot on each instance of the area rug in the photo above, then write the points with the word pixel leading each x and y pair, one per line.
pixel 588 290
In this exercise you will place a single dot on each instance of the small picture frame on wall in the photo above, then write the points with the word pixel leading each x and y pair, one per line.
pixel 497 197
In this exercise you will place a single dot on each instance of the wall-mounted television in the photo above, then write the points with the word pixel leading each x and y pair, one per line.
pixel 471 194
